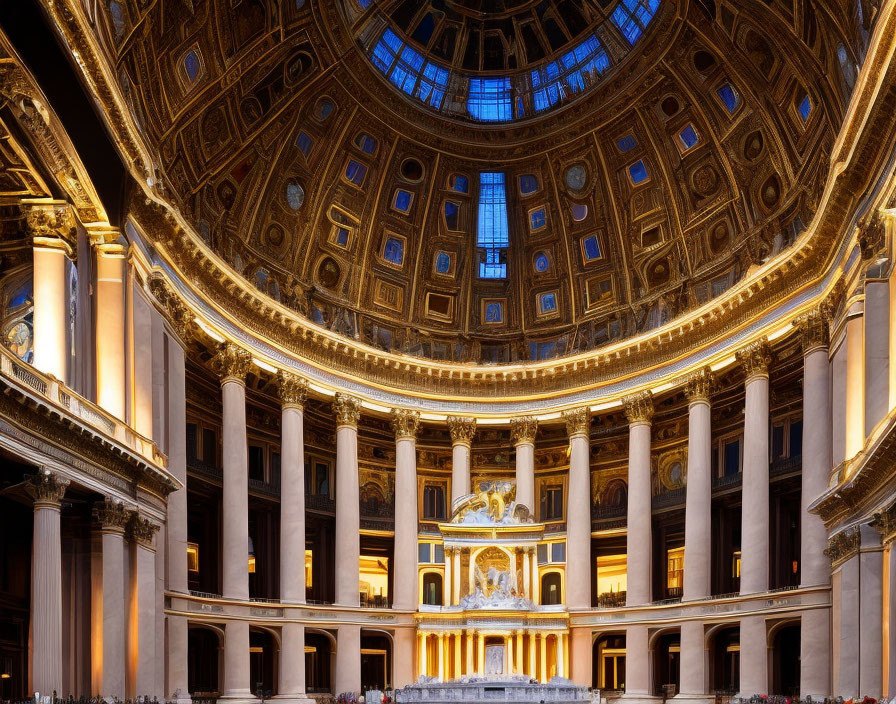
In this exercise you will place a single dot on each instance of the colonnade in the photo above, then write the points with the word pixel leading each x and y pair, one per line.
pixel 451 654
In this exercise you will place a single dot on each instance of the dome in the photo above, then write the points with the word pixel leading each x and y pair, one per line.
pixel 643 159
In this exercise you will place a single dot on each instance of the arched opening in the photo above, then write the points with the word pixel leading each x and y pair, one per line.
pixel 608 666
pixel 319 651
pixel 376 661
pixel 786 660
pixel 203 650
pixel 432 588
pixel 262 663
pixel 615 494
pixel 725 667
pixel 551 593
pixel 666 664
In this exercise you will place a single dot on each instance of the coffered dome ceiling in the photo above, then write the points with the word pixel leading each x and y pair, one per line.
pixel 489 180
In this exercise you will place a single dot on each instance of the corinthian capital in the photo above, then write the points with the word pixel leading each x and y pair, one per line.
pixel 755 358
pixel 112 515
pixel 638 407
pixel 699 385
pixel 347 409
pixel 231 362
pixel 577 421
pixel 142 529
pixel 815 328
pixel 292 390
pixel 462 429
pixel 50 219
pixel 523 429
pixel 405 423
pixel 46 488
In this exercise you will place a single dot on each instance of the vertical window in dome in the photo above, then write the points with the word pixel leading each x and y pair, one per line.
pixel 408 70
pixel 638 172
pixel 304 143
pixel 627 143
pixel 730 97
pixel 542 263
pixel 538 219
pixel 579 212
pixel 528 184
pixel 192 65
pixel 365 143
pixel 547 303
pixel 591 248
pixel 452 215
pixel 488 100
pixel 402 200
pixel 459 183
pixel 492 232
pixel 804 107
pixel 571 73
pixel 444 264
pixel 393 251
pixel 355 172
pixel 633 16
pixel 688 137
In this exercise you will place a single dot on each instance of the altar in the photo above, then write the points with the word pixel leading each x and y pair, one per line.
pixel 491 623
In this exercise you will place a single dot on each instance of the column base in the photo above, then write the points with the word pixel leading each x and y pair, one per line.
pixel 239 697
pixel 693 699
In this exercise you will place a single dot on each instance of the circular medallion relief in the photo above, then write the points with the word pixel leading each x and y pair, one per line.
pixel 575 177
pixel 295 195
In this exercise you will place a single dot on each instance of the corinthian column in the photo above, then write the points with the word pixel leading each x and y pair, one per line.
pixel 815 567
pixel 404 583
pixel 113 518
pixel 293 392
pixel 522 431
pixel 51 226
pixel 232 365
pixel 143 532
pixel 110 324
pixel 348 546
pixel 47 490
pixel 578 511
pixel 697 538
pixel 754 521
pixel 462 432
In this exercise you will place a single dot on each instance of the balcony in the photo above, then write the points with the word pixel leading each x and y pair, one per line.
pixel 730 481
pixel 611 600
pixel 668 499
pixel 216 474
pixel 785 465
pixel 377 515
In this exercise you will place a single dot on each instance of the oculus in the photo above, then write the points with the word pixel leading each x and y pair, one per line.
pixel 575 177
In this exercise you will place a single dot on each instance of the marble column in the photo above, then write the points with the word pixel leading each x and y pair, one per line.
pixel 441 647
pixel 753 656
pixel 111 265
pixel 755 505
pixel 447 580
pixel 637 663
pixel 469 654
pixel 890 597
pixel 578 511
pixel 815 567
pixel 462 432
pixel 846 591
pixel 698 499
pixel 457 655
pixel 51 226
pixel 522 432
pixel 47 490
pixel 543 657
pixel 855 385
pixel 143 532
pixel 113 517
pixel 421 653
pixel 348 657
pixel 480 653
pixel 692 686
pixel 518 660
pixel 455 577
pixel 533 664
pixel 232 364
pixel 871 568
pixel 405 585
pixel 176 524
pixel 293 392
pixel 561 668
pixel 348 545
pixel 877 352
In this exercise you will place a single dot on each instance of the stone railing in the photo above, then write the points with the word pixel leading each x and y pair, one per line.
pixel 727 482
pixel 607 513
pixel 70 403
pixel 668 499
pixel 785 465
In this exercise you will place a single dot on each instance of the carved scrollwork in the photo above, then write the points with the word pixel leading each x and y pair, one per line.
pixel 755 358
pixel 578 421
pixel 347 409
pixel 405 423
pixel 231 362
pixel 462 429
pixel 523 429
pixel 843 546
pixel 814 328
pixel 638 407
pixel 700 385
pixel 112 515
pixel 180 317
pixel 292 390
pixel 50 220
pixel 46 488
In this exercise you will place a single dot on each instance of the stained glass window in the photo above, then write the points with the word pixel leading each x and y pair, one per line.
pixel 537 219
pixel 627 143
pixel 729 97
pixel 631 17
pixel 638 172
pixel 488 99
pixel 528 184
pixel 402 200
pixel 304 143
pixel 805 107
pixel 492 233
pixel 365 143
pixel 571 73
pixel 591 248
pixel 393 251
pixel 355 172
pixel 688 137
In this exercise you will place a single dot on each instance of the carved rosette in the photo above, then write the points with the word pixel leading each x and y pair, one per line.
pixel 523 429
pixel 405 423
pixel 47 489
pixel 814 327
pixel 348 410
pixel 462 429
pixel 843 546
pixel 578 421
pixel 755 358
pixel 638 407
pixel 292 390
pixel 231 363
pixel 699 386
pixel 51 221
pixel 142 530
pixel 112 516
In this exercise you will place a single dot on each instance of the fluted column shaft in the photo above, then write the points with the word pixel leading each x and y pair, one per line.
pixel 815 567
pixel 110 328
pixel 405 580
pixel 755 505
pixel 522 431
pixel 462 433
pixel 46 583
pixel 578 512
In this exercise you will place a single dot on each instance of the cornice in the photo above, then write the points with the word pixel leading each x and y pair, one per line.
pixel 843 546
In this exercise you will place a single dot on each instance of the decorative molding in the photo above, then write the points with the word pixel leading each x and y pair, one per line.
pixel 292 390
pixel 231 363
pixel 843 546
pixel 523 429
pixel 48 221
pixel 885 522
pixel 112 516
pixel 755 358
pixel 462 429
pixel 815 328
pixel 142 530
pixel 638 407
pixel 348 410
pixel 578 421
pixel 178 314
pixel 46 488
pixel 700 385
pixel 405 423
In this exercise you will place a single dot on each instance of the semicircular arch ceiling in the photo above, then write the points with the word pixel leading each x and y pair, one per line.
pixel 698 153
